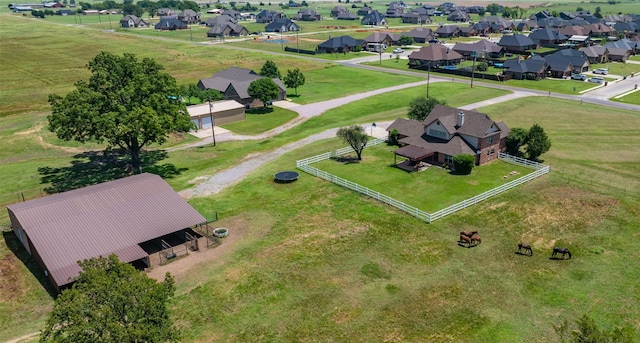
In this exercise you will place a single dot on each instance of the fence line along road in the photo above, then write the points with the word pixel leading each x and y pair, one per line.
pixel 304 165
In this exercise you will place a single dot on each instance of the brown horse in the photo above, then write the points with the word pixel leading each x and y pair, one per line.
pixel 468 234
pixel 526 247
pixel 465 239
pixel 563 251
pixel 475 239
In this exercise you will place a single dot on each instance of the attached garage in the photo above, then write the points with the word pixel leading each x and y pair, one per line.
pixel 223 112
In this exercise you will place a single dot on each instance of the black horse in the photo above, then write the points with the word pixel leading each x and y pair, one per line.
pixel 525 249
pixel 563 251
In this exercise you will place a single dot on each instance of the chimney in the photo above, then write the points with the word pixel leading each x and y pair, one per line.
pixel 460 119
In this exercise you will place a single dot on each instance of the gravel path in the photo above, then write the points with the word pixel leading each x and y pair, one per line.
pixel 218 182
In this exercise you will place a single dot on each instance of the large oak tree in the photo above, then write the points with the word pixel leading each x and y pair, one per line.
pixel 128 103
pixel 112 302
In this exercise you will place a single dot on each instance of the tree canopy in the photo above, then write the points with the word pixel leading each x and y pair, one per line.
pixel 294 79
pixel 355 136
pixel 112 302
pixel 128 103
pixel 270 70
pixel 515 140
pixel 405 40
pixel 264 89
pixel 537 142
pixel 420 107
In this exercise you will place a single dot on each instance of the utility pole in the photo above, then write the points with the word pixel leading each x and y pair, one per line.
pixel 473 68
pixel 428 78
pixel 213 132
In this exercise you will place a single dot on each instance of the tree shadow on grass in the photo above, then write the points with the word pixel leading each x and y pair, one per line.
pixel 93 167
pixel 21 253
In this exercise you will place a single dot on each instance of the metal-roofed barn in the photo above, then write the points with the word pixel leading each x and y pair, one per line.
pixel 109 218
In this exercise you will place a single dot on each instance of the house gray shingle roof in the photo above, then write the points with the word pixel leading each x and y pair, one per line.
pixel 111 217
pixel 515 40
pixel 435 52
pixel 475 124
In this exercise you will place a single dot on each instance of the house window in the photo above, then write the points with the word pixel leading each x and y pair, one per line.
pixel 491 140
pixel 437 133
pixel 448 159
pixel 491 151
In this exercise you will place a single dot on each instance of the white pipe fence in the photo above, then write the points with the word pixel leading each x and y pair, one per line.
pixel 540 169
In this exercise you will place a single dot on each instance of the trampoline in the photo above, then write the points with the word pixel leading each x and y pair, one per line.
pixel 286 176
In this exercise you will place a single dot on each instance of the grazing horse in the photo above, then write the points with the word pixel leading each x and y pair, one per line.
pixel 465 239
pixel 468 234
pixel 563 251
pixel 475 239
pixel 526 248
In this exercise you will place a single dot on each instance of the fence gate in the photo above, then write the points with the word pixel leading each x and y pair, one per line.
pixel 192 241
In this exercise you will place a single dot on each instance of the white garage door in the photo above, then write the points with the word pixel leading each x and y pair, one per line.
pixel 206 122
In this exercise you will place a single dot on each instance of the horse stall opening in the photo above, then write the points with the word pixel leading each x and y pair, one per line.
pixel 167 247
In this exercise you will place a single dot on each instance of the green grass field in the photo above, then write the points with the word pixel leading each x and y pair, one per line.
pixel 26 88
pixel 319 263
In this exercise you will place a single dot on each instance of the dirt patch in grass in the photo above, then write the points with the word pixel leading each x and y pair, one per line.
pixel 35 133
pixel 240 228
pixel 11 286
pixel 564 211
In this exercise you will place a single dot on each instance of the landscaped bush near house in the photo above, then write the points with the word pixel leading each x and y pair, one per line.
pixel 464 163
pixel 531 77
pixel 393 137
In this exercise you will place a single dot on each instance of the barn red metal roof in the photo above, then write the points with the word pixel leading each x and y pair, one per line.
pixel 111 217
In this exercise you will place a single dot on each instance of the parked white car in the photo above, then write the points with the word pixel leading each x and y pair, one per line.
pixel 596 79
pixel 580 77
pixel 398 50
pixel 602 71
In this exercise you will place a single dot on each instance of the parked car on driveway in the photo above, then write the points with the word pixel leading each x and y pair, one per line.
pixel 580 77
pixel 398 50
pixel 596 79
pixel 602 71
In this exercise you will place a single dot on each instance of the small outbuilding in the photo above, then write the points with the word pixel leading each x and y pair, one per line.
pixel 223 112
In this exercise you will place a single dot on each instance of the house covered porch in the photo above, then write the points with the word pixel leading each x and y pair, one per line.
pixel 418 158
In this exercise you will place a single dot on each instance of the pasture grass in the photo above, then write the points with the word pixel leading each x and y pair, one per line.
pixel 26 85
pixel 332 262
pixel 591 144
pixel 377 172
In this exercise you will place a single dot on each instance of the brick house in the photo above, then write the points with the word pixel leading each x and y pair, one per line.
pixel 447 132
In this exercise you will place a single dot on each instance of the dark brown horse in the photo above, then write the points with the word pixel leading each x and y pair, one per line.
pixel 475 240
pixel 526 248
pixel 563 251
pixel 465 239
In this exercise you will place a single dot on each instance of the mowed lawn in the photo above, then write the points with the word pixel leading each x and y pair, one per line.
pixel 429 190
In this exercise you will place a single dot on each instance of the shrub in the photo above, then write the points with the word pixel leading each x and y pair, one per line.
pixel 393 137
pixel 482 66
pixel 464 163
